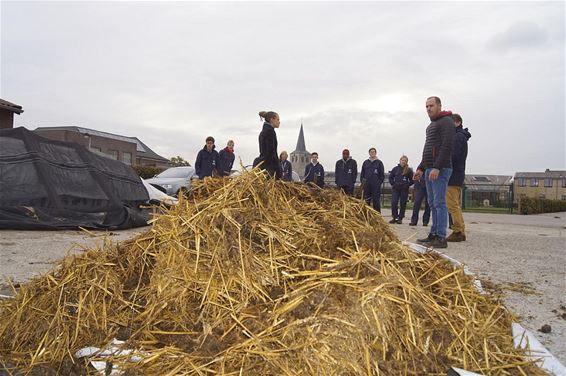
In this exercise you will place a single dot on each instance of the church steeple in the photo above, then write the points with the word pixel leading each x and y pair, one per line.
pixel 301 141
pixel 300 157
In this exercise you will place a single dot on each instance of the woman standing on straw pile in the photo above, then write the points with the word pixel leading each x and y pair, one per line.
pixel 268 145
pixel 400 178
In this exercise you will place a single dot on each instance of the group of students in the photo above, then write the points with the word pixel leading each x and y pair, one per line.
pixel 372 176
pixel 442 168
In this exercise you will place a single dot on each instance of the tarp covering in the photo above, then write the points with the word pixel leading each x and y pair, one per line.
pixel 47 184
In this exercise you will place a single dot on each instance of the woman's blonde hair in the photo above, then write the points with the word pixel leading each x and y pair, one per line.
pixel 406 167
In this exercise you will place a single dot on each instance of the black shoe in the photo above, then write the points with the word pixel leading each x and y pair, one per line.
pixel 427 240
pixel 412 224
pixel 439 243
pixel 425 224
pixel 393 221
pixel 400 221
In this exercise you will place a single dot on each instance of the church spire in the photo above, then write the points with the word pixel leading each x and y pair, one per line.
pixel 301 141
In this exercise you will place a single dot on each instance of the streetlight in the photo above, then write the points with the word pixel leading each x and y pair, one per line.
pixel 87 136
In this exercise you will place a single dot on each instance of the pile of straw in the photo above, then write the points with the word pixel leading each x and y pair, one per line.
pixel 250 276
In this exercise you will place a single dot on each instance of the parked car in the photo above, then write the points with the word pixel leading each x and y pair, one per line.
pixel 173 180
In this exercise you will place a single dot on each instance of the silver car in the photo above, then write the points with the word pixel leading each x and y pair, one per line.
pixel 173 180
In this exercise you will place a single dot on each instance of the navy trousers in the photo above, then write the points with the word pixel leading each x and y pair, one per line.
pixel 372 192
pixel 420 195
pixel 399 197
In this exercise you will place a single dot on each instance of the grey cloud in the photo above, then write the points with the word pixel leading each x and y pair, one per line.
pixel 521 35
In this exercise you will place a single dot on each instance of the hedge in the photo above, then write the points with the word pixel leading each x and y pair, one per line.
pixel 530 205
pixel 147 172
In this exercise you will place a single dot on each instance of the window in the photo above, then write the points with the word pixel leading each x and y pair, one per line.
pixel 563 198
pixel 94 148
pixel 113 154
pixel 521 182
pixel 534 182
pixel 548 182
pixel 541 196
pixel 481 179
pixel 127 158
pixel 563 182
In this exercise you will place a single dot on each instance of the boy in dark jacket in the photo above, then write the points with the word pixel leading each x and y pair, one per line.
pixel 207 160
pixel 400 178
pixel 454 192
pixel 346 173
pixel 371 177
pixel 226 159
pixel 314 172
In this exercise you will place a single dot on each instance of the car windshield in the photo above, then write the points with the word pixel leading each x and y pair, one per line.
pixel 175 173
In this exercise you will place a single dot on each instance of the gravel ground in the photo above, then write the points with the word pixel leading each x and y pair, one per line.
pixel 522 256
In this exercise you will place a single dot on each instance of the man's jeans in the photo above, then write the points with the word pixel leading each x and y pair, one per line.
pixel 453 200
pixel 436 192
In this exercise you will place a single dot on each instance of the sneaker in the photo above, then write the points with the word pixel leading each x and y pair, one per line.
pixel 400 221
pixel 439 242
pixel 412 224
pixel 456 237
pixel 427 240
pixel 393 220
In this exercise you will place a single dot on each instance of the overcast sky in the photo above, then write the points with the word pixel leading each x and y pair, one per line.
pixel 356 74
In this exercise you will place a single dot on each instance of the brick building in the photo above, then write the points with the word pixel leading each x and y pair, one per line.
pixel 7 111
pixel 129 150
pixel 548 184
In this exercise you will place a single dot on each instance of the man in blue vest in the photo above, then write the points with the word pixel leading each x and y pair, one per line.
pixel 346 173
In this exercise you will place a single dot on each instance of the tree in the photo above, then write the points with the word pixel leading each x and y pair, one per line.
pixel 178 161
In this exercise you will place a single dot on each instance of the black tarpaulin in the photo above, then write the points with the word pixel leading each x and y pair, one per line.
pixel 47 184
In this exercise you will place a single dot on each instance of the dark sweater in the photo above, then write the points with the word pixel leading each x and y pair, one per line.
pixel 459 155
pixel 372 172
pixel 399 181
pixel 437 151
pixel 314 174
pixel 346 172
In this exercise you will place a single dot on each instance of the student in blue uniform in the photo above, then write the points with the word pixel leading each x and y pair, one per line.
pixel 400 178
pixel 226 159
pixel 207 160
pixel 286 167
pixel 314 172
pixel 346 173
pixel 372 176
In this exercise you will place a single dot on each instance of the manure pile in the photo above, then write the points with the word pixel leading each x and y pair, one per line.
pixel 250 276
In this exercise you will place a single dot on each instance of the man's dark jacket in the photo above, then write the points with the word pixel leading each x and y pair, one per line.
pixel 346 172
pixel 372 172
pixel 314 174
pixel 206 163
pixel 437 151
pixel 459 155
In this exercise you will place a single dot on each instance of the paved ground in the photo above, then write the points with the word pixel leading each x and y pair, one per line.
pixel 524 256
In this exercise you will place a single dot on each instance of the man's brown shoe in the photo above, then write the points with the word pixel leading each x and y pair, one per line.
pixel 456 237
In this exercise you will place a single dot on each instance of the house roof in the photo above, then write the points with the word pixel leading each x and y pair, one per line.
pixel 557 174
pixel 9 106
pixel 487 179
pixel 143 150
